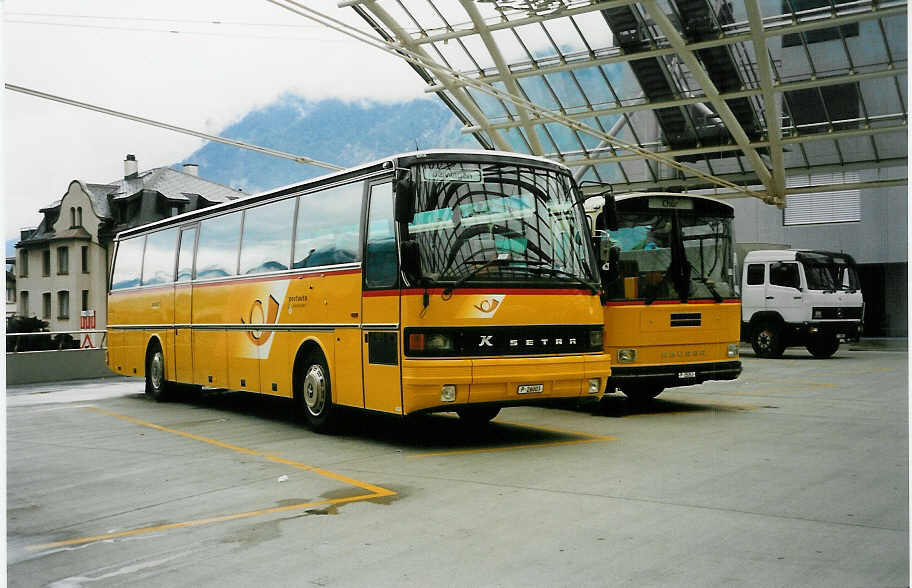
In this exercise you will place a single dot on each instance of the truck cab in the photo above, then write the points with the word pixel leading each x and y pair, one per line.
pixel 796 297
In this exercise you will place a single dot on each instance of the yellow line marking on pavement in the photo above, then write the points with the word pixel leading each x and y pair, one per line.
pixel 590 438
pixel 375 491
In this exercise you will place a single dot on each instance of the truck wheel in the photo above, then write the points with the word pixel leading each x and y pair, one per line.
pixel 313 394
pixel 823 346
pixel 767 340
pixel 641 394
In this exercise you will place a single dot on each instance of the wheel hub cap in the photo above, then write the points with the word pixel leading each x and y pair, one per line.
pixel 315 390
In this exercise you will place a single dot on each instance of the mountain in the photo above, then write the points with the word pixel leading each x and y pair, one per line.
pixel 333 131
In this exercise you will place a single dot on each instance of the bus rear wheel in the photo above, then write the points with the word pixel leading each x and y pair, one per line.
pixel 313 394
pixel 477 415
pixel 157 387
pixel 823 346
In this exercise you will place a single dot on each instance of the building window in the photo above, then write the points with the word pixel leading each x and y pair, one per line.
pixel 46 262
pixel 23 264
pixel 11 294
pixel 24 303
pixel 841 206
pixel 63 261
pixel 46 305
pixel 79 216
pixel 72 217
pixel 84 253
pixel 85 300
pixel 63 305
pixel 816 35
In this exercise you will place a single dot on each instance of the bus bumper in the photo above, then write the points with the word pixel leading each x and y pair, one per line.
pixel 671 376
pixel 511 381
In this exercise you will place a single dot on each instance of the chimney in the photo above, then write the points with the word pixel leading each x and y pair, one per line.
pixel 192 169
pixel 131 168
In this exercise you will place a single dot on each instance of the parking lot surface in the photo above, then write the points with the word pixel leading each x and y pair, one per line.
pixel 796 474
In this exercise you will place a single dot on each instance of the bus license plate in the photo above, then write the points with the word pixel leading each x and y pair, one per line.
pixel 686 375
pixel 530 389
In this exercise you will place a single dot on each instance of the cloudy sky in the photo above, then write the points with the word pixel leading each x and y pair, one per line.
pixel 125 55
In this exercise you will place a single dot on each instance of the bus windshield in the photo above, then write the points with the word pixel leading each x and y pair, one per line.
pixel 499 223
pixel 673 254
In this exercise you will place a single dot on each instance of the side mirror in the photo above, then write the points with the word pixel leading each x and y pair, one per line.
pixel 405 193
pixel 411 261
pixel 609 213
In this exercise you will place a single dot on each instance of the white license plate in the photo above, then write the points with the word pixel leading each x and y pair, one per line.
pixel 530 389
pixel 685 375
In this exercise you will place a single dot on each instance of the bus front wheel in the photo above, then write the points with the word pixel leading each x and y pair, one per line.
pixel 156 385
pixel 313 393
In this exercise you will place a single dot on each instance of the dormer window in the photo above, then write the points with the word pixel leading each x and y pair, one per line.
pixel 72 217
pixel 79 216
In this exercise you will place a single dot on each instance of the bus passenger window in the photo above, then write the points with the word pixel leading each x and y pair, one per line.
pixel 327 232
pixel 266 244
pixel 128 263
pixel 158 261
pixel 380 258
pixel 185 256
pixel 216 254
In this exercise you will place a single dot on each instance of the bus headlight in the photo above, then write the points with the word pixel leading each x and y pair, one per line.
pixel 430 342
pixel 448 393
pixel 733 350
pixel 626 355
pixel 595 385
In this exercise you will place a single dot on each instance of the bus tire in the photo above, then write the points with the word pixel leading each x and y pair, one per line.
pixel 641 394
pixel 476 416
pixel 157 388
pixel 313 393
pixel 823 346
pixel 766 340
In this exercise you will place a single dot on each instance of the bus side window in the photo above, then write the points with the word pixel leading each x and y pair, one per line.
pixel 380 258
pixel 185 255
pixel 755 274
pixel 266 243
pixel 217 252
pixel 158 260
pixel 128 263
pixel 327 232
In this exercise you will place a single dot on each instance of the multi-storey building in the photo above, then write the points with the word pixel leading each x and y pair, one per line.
pixel 64 263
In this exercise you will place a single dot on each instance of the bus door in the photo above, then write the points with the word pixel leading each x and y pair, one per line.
pixel 183 356
pixel 380 305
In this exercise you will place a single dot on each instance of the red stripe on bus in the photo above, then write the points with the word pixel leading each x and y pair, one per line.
pixel 462 291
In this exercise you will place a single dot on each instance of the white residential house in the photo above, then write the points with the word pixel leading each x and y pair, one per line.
pixel 63 265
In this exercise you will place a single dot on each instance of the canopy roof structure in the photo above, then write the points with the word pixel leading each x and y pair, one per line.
pixel 756 97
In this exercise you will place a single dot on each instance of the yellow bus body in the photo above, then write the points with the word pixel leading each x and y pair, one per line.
pixel 213 344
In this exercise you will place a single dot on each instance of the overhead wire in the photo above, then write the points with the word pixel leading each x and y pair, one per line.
pixel 399 50
pixel 175 128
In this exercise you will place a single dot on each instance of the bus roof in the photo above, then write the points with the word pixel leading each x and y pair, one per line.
pixel 402 159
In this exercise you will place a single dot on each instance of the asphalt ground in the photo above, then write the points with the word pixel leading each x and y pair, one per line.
pixel 797 474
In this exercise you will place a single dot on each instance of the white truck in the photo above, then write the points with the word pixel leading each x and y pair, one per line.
pixel 796 297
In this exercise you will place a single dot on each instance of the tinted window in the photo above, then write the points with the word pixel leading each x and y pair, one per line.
pixel 755 274
pixel 266 245
pixel 128 263
pixel 380 258
pixel 158 261
pixel 785 274
pixel 216 254
pixel 185 257
pixel 328 226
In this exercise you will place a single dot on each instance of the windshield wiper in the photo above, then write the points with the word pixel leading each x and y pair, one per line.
pixel 565 274
pixel 501 259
